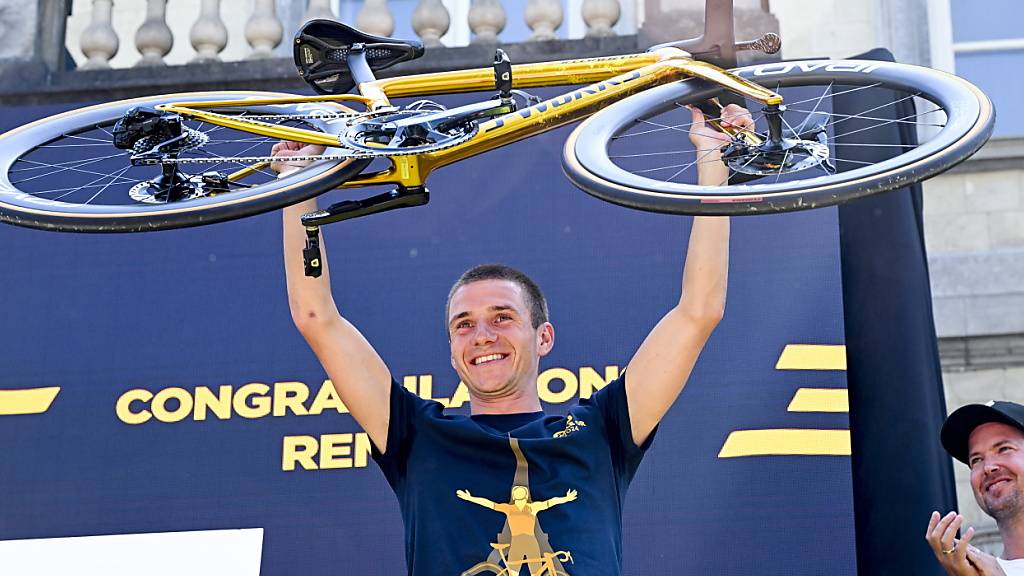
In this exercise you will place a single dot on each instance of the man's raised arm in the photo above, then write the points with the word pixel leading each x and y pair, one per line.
pixel 660 368
pixel 360 377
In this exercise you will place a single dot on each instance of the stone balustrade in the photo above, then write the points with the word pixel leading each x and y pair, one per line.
pixel 265 26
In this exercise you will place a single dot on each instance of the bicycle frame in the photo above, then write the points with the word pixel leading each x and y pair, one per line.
pixel 611 78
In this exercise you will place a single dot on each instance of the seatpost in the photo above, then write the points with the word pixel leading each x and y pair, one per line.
pixel 357 65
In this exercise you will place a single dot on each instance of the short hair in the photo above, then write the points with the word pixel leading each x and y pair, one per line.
pixel 535 301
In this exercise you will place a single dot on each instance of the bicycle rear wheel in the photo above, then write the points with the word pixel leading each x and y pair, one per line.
pixel 636 152
pixel 63 173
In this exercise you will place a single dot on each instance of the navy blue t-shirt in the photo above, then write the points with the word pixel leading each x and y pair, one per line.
pixel 479 493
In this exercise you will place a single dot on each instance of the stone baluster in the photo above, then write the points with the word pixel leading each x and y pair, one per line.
pixel 486 20
pixel 375 18
pixel 99 41
pixel 430 20
pixel 208 35
pixel 543 17
pixel 319 9
pixel 263 31
pixel 154 39
pixel 600 16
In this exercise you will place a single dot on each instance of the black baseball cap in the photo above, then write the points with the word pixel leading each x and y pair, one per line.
pixel 956 430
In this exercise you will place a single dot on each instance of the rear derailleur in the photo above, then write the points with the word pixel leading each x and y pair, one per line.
pixel 156 138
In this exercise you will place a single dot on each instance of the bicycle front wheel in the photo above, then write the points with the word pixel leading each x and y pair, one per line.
pixel 63 173
pixel 636 153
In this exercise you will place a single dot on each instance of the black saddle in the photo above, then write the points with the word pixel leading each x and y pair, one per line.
pixel 322 48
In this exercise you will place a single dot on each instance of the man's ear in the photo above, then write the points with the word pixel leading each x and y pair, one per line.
pixel 545 338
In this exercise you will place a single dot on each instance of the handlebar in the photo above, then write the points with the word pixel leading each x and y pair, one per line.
pixel 718 42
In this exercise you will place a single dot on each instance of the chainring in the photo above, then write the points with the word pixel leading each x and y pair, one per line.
pixel 374 134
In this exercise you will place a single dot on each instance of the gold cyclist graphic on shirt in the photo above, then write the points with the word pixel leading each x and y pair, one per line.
pixel 570 427
pixel 522 541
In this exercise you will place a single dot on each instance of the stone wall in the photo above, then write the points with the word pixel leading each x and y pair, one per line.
pixel 974 230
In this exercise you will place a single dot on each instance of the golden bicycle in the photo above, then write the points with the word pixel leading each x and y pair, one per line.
pixel 181 160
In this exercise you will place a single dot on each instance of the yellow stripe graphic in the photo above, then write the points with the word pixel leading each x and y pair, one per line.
pixel 29 401
pixel 820 400
pixel 786 443
pixel 812 357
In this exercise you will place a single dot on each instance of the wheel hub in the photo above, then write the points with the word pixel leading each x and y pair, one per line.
pixel 161 191
pixel 792 156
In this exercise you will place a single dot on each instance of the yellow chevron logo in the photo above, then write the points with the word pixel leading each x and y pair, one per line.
pixel 798 441
pixel 786 442
pixel 820 400
pixel 812 357
pixel 28 401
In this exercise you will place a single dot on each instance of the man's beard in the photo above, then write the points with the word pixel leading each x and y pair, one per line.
pixel 1009 506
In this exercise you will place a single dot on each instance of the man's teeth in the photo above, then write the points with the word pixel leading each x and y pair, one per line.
pixel 487 358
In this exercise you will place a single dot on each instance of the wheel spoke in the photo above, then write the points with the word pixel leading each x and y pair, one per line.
pixel 41 165
pixel 835 114
pixel 100 191
pixel 663 127
pixel 683 169
pixel 781 166
pixel 815 109
pixel 667 152
pixel 62 169
pixel 89 184
pixel 834 94
pixel 879 125
pixel 861 162
pixel 872 145
pixel 77 137
pixel 105 144
pixel 237 154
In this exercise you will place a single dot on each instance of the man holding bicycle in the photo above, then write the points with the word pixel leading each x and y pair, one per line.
pixel 567 476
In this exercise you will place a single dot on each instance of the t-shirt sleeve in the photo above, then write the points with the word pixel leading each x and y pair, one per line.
pixel 611 401
pixel 403 407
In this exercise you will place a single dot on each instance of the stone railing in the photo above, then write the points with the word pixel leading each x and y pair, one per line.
pixel 265 27
pixel 98 50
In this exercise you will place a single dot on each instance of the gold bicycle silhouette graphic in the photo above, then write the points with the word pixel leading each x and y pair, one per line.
pixel 521 541
pixel 547 563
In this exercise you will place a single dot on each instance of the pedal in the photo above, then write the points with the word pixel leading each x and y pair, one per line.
pixel 311 253
pixel 398 198
pixel 503 76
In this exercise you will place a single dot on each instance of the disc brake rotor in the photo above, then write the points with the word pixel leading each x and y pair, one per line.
pixel 799 155
pixel 184 188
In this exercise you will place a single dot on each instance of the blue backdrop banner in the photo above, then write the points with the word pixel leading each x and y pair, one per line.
pixel 183 399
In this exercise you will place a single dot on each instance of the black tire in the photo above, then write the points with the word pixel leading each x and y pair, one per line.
pixel 592 163
pixel 34 167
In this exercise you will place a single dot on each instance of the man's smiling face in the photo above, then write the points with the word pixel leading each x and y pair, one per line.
pixel 494 346
pixel 996 459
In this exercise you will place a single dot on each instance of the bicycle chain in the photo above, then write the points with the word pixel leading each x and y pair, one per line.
pixel 244 159
pixel 355 155
pixel 293 116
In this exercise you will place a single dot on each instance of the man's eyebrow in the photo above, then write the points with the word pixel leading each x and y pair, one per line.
pixel 494 308
pixel 994 445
